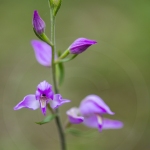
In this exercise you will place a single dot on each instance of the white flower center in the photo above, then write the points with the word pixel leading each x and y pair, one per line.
pixel 43 100
pixel 99 119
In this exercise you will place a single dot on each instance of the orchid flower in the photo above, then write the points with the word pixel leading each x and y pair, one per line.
pixel 90 113
pixel 80 45
pixel 44 95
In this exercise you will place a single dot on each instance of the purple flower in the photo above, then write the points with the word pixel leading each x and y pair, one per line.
pixel 38 23
pixel 43 52
pixel 90 113
pixel 41 98
pixel 80 45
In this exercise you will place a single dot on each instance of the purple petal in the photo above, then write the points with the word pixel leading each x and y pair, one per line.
pixel 94 122
pixel 73 116
pixel 43 52
pixel 58 101
pixel 44 90
pixel 28 102
pixel 38 23
pixel 93 104
pixel 80 45
pixel 43 111
pixel 112 124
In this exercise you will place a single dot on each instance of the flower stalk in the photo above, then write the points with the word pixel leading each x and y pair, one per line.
pixel 91 109
pixel 57 119
pixel 59 60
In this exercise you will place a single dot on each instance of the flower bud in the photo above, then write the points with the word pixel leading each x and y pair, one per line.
pixel 80 45
pixel 55 5
pixel 38 23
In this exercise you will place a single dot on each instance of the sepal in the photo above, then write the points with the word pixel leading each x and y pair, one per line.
pixel 55 6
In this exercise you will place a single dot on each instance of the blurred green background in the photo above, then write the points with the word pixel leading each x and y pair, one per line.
pixel 116 69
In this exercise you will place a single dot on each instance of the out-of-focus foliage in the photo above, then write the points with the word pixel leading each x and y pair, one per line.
pixel 116 69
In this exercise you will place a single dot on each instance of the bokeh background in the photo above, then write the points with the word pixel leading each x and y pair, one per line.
pixel 116 69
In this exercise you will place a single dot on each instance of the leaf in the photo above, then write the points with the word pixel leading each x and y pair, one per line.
pixel 47 119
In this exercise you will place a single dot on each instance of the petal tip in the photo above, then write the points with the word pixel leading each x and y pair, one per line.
pixel 15 108
pixel 111 113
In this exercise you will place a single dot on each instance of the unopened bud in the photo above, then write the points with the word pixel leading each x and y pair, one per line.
pixel 38 23
pixel 80 45
pixel 55 5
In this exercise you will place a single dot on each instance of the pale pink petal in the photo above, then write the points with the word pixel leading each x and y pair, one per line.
pixel 103 123
pixel 58 101
pixel 112 124
pixel 93 104
pixel 43 52
pixel 28 102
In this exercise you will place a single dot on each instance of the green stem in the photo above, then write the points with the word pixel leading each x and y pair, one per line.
pixel 65 59
pixel 57 120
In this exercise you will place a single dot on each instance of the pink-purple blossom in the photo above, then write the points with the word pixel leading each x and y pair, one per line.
pixel 44 95
pixel 80 45
pixel 43 52
pixel 90 113
pixel 38 23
